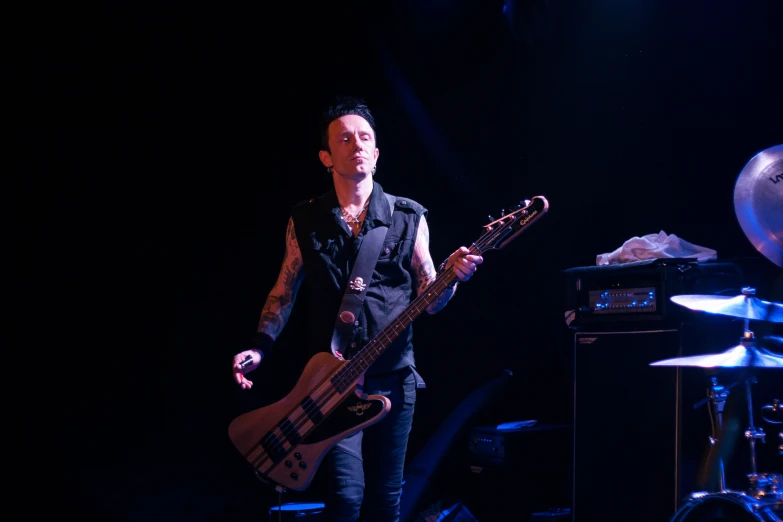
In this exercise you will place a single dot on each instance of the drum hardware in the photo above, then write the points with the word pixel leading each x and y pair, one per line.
pixel 774 408
pixel 763 499
pixel 765 486
pixel 759 484
pixel 716 395
pixel 752 435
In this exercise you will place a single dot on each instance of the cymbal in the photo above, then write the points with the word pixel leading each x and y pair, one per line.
pixel 758 193
pixel 745 306
pixel 740 356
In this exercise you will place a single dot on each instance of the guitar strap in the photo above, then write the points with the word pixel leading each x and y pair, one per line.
pixel 361 275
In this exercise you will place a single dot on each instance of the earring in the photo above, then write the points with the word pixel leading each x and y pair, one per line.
pixel 373 170
pixel 329 169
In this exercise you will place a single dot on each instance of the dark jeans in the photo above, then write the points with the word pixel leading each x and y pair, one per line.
pixel 366 469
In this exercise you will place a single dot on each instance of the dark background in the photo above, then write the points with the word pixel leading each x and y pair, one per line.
pixel 169 141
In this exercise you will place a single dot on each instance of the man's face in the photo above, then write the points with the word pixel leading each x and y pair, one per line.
pixel 352 144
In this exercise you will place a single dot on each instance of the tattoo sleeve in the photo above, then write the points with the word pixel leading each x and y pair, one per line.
pixel 424 268
pixel 280 301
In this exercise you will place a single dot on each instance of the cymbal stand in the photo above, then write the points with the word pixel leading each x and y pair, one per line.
pixel 716 395
pixel 752 434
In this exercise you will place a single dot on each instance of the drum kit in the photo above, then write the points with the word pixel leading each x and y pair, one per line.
pixel 763 497
pixel 757 199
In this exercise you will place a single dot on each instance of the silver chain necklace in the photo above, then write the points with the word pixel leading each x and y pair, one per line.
pixel 351 219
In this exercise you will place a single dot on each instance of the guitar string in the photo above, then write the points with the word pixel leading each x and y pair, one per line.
pixel 346 375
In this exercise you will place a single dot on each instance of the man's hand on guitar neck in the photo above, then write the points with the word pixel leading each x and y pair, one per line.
pixel 464 263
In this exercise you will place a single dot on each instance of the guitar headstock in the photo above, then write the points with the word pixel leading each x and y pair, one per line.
pixel 498 233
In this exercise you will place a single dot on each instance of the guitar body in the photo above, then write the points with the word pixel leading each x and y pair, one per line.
pixel 286 441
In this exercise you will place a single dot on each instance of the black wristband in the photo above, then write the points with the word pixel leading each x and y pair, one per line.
pixel 262 342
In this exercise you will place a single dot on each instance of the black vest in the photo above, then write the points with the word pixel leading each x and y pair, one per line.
pixel 329 250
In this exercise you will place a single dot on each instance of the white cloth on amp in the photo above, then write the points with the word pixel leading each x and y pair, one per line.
pixel 655 246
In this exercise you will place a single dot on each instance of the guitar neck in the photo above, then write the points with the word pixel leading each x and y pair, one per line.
pixel 351 372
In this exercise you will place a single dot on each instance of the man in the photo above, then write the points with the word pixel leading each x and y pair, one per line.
pixel 365 470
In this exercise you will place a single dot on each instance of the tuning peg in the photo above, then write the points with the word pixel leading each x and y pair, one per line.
pixel 526 202
pixel 491 218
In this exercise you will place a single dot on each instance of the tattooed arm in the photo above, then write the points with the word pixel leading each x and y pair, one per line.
pixel 280 301
pixel 276 310
pixel 462 260
pixel 424 268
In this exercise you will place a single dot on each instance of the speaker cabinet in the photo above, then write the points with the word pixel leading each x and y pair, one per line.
pixel 626 426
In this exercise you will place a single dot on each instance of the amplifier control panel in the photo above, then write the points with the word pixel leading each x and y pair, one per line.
pixel 640 291
pixel 623 300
